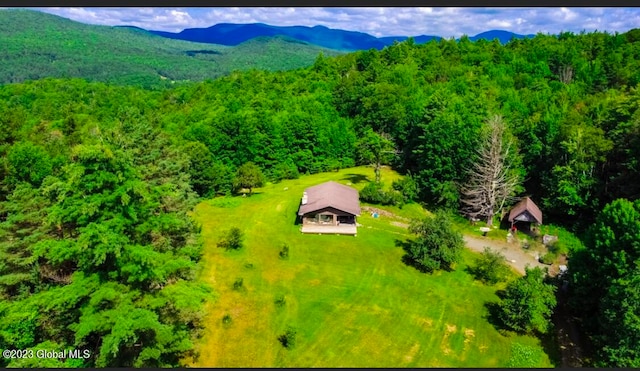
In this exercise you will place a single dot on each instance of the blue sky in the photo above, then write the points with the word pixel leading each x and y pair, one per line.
pixel 445 22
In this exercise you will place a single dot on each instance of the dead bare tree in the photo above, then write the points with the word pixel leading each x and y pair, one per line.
pixel 491 181
pixel 565 74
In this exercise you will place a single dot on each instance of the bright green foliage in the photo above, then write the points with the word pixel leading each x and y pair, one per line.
pixel 101 255
pixel 27 162
pixel 438 245
pixel 585 147
pixel 524 356
pixel 202 169
pixel 490 267
pixel 19 232
pixel 604 280
pixel 249 176
pixel 376 193
pixel 620 316
pixel 376 149
pixel 441 146
pixel 528 302
pixel 408 188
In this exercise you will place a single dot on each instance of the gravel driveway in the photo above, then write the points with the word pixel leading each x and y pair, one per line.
pixel 515 255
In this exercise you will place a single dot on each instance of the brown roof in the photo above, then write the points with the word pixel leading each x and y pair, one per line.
pixel 331 194
pixel 526 205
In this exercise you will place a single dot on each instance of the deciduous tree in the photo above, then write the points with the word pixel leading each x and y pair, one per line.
pixel 528 302
pixel 437 246
pixel 377 149
pixel 249 176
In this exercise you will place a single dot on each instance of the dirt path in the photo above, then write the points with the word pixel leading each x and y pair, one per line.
pixel 515 255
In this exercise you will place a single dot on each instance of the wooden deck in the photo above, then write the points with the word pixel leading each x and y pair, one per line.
pixel 330 229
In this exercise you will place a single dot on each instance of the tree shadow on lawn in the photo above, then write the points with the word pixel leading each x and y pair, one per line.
pixel 493 315
pixel 356 178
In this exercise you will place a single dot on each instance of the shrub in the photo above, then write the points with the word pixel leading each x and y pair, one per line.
pixel 237 285
pixel 284 170
pixel 374 193
pixel 226 319
pixel 288 339
pixel 284 252
pixel 280 301
pixel 437 246
pixel 490 267
pixel 408 188
pixel 548 258
pixel 233 239
pixel 528 303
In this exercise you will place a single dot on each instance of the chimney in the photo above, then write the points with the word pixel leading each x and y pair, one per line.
pixel 304 198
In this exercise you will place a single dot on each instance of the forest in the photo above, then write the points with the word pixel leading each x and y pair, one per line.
pixel 97 246
pixel 38 45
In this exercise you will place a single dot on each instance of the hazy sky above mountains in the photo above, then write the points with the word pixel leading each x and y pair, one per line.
pixel 445 22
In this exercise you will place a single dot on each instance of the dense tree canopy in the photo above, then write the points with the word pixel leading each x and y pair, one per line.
pixel 605 277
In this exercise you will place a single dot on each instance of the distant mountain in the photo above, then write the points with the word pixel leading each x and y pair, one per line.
pixel 503 36
pixel 234 34
pixel 231 34
pixel 36 45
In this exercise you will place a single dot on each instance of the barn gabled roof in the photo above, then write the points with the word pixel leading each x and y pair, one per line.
pixel 330 194
pixel 526 205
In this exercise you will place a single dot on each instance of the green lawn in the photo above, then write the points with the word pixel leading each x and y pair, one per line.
pixel 351 299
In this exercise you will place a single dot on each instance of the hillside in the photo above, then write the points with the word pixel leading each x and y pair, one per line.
pixel 38 45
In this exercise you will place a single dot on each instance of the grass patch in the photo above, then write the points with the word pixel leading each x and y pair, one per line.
pixel 525 356
pixel 567 242
pixel 225 202
pixel 467 228
pixel 353 301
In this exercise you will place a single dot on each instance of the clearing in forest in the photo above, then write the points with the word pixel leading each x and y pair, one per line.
pixel 352 300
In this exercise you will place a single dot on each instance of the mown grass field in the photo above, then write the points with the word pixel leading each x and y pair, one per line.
pixel 352 300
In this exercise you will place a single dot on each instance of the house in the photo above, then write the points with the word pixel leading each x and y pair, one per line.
pixel 524 213
pixel 329 208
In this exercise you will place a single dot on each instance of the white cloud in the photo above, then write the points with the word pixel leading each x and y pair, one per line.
pixel 445 22
pixel 497 23
pixel 568 15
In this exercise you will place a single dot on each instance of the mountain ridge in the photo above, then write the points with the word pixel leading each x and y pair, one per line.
pixel 231 34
